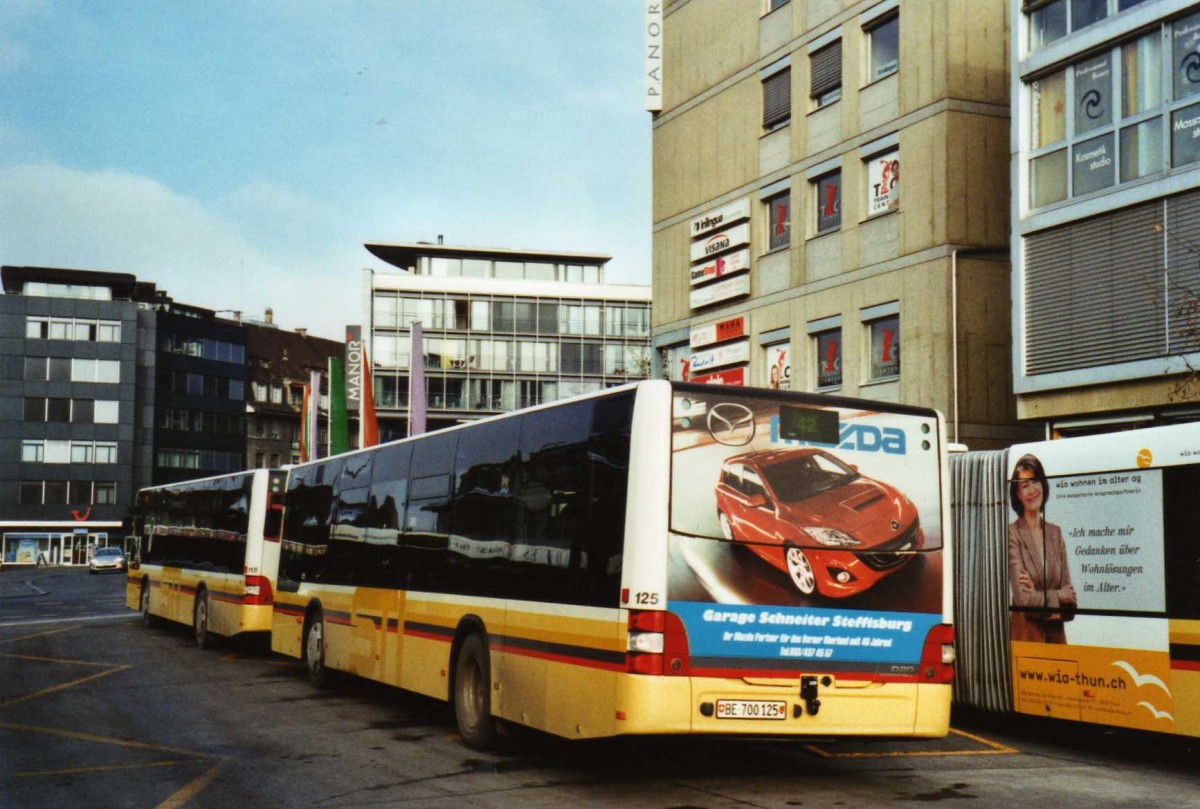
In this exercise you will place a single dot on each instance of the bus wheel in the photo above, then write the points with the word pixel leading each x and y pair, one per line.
pixel 472 694
pixel 314 650
pixel 200 619
pixel 144 602
pixel 800 570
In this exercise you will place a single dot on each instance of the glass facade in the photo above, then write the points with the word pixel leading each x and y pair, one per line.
pixel 486 352
pixel 1117 116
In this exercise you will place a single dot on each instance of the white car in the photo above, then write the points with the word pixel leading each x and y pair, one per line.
pixel 110 558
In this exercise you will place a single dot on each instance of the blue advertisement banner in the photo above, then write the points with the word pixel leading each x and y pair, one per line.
pixel 802 633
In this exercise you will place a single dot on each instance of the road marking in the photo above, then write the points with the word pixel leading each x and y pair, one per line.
pixel 176 801
pixel 106 617
pixel 52 689
pixel 104 768
pixel 39 634
pixel 993 749
pixel 57 660
pixel 190 791
pixel 91 737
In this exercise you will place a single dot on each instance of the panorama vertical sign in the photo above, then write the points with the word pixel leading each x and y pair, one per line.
pixel 653 68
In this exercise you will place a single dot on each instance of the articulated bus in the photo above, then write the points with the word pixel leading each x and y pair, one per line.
pixel 207 551
pixel 660 558
pixel 1078 567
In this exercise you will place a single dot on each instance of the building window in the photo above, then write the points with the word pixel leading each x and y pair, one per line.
pixel 1047 23
pixel 101 331
pixel 883 48
pixel 33 451
pixel 108 371
pixel 777 361
pixel 777 98
pixel 779 225
pixel 774 4
pixel 106 411
pixel 883 183
pixel 829 202
pixel 105 493
pixel 825 85
pixel 829 358
pixel 885 347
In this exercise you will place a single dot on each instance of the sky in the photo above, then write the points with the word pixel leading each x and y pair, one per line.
pixel 239 154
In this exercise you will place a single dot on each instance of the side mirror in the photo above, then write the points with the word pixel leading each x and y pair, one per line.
pixel 756 501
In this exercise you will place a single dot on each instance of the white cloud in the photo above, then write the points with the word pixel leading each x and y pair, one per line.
pixel 55 216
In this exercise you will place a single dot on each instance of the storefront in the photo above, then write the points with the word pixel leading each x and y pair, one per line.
pixel 56 543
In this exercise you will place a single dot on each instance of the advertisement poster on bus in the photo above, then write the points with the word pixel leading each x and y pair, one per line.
pixel 804 532
pixel 1087 585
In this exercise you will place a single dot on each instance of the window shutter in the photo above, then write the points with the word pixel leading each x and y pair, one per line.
pixel 1094 292
pixel 826 65
pixel 1183 263
pixel 777 98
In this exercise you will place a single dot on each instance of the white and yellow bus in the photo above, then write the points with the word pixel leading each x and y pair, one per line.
pixel 659 558
pixel 207 552
pixel 1079 579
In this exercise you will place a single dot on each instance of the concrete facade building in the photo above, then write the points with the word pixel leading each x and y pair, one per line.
pixel 789 248
pixel 503 329
pixel 107 385
pixel 69 416
pixel 1106 212
pixel 279 363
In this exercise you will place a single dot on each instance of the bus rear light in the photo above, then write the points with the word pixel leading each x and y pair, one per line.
pixel 657 644
pixel 937 655
pixel 646 642
pixel 258 591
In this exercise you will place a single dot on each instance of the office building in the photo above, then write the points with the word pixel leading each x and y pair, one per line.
pixel 1106 212
pixel 503 329
pixel 790 250
pixel 69 437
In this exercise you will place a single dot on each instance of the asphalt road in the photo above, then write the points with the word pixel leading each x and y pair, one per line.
pixel 97 711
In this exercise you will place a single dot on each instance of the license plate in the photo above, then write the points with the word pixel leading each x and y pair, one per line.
pixel 751 709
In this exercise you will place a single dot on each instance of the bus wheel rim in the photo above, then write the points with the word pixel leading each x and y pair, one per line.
pixel 315 647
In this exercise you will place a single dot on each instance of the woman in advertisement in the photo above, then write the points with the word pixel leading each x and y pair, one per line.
pixel 1037 560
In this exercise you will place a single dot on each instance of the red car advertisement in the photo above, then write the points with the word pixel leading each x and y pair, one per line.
pixel 829 528
pixel 826 512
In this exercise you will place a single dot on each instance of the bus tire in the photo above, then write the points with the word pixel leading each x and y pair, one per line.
pixel 200 616
pixel 314 650
pixel 800 569
pixel 473 694
pixel 148 620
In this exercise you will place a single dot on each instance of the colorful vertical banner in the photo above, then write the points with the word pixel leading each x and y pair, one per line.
pixel 311 419
pixel 416 382
pixel 339 426
pixel 305 406
pixel 368 426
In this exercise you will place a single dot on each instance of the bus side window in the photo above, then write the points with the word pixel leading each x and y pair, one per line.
pixel 603 538
pixel 1181 515
pixel 483 511
pixel 552 494
pixel 427 517
pixel 385 515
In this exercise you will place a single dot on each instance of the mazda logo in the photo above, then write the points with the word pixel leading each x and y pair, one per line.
pixel 731 424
